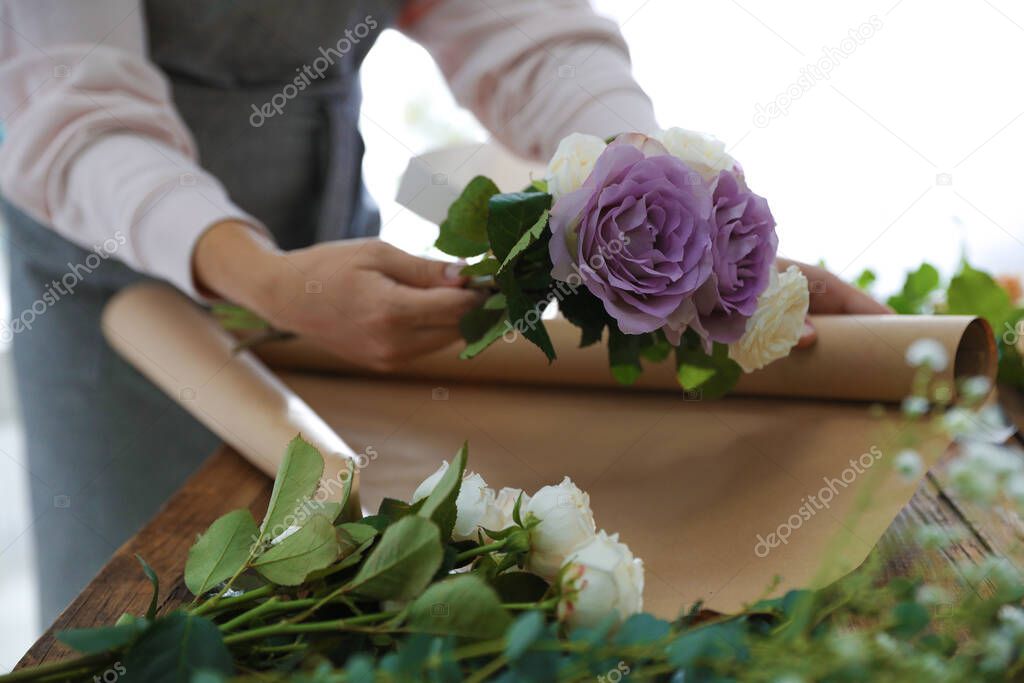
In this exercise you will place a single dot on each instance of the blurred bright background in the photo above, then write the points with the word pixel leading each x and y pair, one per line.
pixel 905 152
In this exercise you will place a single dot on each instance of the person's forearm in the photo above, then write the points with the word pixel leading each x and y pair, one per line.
pixel 238 263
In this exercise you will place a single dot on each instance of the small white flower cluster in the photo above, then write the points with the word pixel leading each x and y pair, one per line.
pixel 597 573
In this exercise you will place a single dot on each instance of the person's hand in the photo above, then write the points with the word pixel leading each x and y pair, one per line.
pixel 830 296
pixel 365 300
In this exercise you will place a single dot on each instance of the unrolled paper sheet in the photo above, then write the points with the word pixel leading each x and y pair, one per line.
pixel 725 501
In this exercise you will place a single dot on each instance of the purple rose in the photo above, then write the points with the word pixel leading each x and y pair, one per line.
pixel 744 246
pixel 637 234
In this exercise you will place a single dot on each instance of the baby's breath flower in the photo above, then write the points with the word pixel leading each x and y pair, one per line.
pixel 887 644
pixel 927 352
pixel 932 596
pixel 936 536
pixel 1014 490
pixel 998 650
pixel 975 484
pixel 908 464
pixel 1012 618
pixel 915 406
pixel 998 570
pixel 988 424
pixel 849 646
pixel 975 388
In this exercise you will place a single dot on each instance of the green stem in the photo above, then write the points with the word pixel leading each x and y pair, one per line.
pixel 249 615
pixel 225 603
pixel 51 669
pixel 542 606
pixel 484 672
pixel 480 550
pixel 314 627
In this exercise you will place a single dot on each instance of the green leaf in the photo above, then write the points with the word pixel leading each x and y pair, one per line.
pixel 585 311
pixel 396 509
pixel 865 279
pixel 656 349
pixel 520 587
pixel 175 648
pixel 475 324
pixel 439 506
pixel 313 547
pixel 463 606
pixel 403 562
pixel 355 534
pixel 642 629
pixel 496 302
pixel 297 479
pixel 464 231
pixel 510 215
pixel 528 238
pixel 104 638
pixel 155 581
pixel 909 619
pixel 624 355
pixel 346 492
pixel 525 312
pixel 523 633
pixel 710 375
pixel 974 292
pixel 917 290
pixel 490 336
pixel 221 551
pixel 488 266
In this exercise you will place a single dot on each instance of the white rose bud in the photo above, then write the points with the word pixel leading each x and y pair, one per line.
pixel 566 523
pixel 704 153
pixel 472 503
pixel 572 163
pixel 601 577
pixel 775 327
pixel 499 513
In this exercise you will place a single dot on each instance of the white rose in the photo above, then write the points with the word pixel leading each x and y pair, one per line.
pixel 572 163
pixel 472 503
pixel 601 577
pixel 775 327
pixel 704 153
pixel 499 513
pixel 566 523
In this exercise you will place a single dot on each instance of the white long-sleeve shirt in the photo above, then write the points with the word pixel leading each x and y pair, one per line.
pixel 93 145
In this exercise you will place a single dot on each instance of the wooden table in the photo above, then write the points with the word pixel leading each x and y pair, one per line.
pixel 164 542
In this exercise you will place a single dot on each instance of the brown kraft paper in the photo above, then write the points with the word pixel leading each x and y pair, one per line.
pixel 726 501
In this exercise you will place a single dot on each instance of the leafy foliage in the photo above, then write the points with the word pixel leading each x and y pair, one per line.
pixel 387 604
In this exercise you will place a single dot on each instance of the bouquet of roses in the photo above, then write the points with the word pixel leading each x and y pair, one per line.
pixel 656 240
pixel 317 585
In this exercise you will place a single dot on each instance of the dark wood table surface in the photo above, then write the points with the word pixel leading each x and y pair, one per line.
pixel 121 587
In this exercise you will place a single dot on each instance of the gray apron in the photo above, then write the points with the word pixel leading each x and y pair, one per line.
pixel 104 447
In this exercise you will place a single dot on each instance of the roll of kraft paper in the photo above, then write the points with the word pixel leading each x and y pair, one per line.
pixel 857 358
pixel 726 501
pixel 184 351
